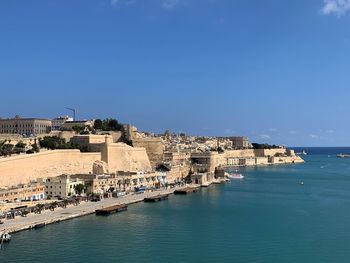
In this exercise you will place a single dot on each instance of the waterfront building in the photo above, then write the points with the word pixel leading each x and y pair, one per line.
pixel 25 126
pixel 205 162
pixel 176 158
pixel 203 179
pixel 129 180
pixel 62 186
pixel 24 192
pixel 59 121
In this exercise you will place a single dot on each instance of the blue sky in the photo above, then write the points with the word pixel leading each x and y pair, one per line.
pixel 276 71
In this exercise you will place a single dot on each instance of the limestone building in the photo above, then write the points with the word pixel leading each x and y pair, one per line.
pixel 240 142
pixel 29 192
pixel 59 121
pixel 25 126
pixel 62 186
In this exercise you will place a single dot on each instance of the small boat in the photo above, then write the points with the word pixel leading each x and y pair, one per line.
pixel 302 153
pixel 343 155
pixel 301 183
pixel 5 237
pixel 235 176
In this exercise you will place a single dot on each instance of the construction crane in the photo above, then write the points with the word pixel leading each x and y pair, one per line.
pixel 73 111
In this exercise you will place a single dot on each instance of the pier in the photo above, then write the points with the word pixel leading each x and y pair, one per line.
pixel 156 198
pixel 185 191
pixel 111 210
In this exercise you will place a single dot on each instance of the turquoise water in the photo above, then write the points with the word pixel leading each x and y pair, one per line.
pixel 267 217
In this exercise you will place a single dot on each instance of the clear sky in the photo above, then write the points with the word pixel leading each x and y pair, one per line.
pixel 276 71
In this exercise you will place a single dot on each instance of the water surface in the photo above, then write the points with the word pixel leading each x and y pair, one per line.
pixel 267 217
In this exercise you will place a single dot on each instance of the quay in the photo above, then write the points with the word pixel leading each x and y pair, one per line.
pixel 84 208
pixel 111 210
pixel 156 198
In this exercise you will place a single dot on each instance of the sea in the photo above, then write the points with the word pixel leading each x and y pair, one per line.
pixel 284 213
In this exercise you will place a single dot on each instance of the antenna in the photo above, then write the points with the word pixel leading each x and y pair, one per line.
pixel 73 111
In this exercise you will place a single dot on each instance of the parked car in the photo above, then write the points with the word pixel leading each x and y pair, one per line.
pixel 118 194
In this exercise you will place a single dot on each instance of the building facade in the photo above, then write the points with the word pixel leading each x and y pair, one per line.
pixel 240 142
pixel 68 125
pixel 59 121
pixel 62 186
pixel 25 126
pixel 30 192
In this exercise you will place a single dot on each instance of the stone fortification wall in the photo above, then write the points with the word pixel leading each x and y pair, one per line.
pixel 287 160
pixel 269 152
pixel 240 153
pixel 250 153
pixel 92 142
pixel 122 157
pixel 177 173
pixel 260 157
pixel 25 168
pixel 154 148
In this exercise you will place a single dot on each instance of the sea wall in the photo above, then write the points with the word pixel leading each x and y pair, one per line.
pixel 252 157
pixel 25 168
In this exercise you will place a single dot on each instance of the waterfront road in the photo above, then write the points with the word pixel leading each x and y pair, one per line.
pixel 84 208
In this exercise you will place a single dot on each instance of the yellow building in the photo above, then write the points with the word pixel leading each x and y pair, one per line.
pixel 25 126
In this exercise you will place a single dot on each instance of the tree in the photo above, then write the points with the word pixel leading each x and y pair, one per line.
pixel 40 207
pixel 35 147
pixel 98 124
pixel 21 144
pixel 111 125
pixel 79 188
pixel 54 142
pixel 264 146
pixel 6 149
pixel 78 129
pixel 53 205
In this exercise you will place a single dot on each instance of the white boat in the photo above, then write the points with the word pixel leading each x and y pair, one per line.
pixel 343 155
pixel 302 153
pixel 5 237
pixel 235 176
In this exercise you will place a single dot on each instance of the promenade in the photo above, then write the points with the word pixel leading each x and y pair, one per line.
pixel 84 208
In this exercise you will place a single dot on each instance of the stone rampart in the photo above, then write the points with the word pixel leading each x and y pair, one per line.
pixel 25 168
pixel 122 157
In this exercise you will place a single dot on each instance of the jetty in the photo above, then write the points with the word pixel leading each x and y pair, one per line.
pixel 157 198
pixel 185 191
pixel 111 210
